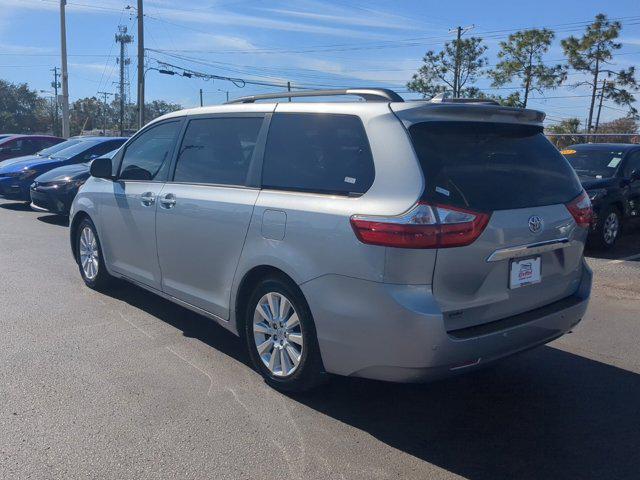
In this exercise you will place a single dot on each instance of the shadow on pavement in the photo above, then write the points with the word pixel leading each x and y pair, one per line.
pixel 59 220
pixel 543 414
pixel 17 206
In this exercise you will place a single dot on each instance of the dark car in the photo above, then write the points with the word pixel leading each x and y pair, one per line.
pixel 12 146
pixel 610 173
pixel 55 190
pixel 16 176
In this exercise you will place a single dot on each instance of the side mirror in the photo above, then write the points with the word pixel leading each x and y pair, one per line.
pixel 635 175
pixel 101 168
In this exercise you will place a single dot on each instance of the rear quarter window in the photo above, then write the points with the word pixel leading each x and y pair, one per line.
pixel 321 153
pixel 489 167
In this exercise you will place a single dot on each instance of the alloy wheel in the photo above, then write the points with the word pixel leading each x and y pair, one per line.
pixel 277 334
pixel 89 253
pixel 611 228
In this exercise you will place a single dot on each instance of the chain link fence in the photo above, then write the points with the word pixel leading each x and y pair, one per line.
pixel 562 140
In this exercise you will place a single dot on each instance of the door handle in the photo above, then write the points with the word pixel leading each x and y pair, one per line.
pixel 168 200
pixel 147 199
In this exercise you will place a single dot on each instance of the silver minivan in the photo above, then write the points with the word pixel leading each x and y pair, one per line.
pixel 384 239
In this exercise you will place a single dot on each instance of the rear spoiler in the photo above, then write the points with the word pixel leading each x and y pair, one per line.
pixel 417 112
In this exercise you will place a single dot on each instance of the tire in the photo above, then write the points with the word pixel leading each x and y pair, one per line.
pixel 608 229
pixel 89 257
pixel 282 349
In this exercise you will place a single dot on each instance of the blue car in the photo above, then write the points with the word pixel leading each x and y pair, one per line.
pixel 17 174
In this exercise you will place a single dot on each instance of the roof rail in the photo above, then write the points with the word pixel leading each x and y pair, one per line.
pixel 368 94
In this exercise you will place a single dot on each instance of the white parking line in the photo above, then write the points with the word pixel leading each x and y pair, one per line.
pixel 626 259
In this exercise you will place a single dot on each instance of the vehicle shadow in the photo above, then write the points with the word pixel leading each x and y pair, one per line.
pixel 544 414
pixel 59 220
pixel 17 206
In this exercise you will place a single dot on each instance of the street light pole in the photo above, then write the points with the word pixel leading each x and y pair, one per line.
pixel 65 73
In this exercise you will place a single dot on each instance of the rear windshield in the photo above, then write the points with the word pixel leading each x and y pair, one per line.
pixel 593 161
pixel 489 167
pixel 57 147
pixel 76 149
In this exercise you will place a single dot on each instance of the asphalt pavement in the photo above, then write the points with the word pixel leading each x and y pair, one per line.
pixel 127 385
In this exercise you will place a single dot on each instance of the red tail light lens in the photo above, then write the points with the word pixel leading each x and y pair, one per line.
pixel 580 208
pixel 424 226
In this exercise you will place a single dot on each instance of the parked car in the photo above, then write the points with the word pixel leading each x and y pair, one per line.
pixel 16 176
pixel 610 173
pixel 20 145
pixel 392 240
pixel 55 190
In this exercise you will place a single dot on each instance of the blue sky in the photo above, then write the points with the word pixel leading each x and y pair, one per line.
pixel 309 42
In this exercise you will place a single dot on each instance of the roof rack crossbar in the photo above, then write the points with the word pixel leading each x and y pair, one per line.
pixel 368 94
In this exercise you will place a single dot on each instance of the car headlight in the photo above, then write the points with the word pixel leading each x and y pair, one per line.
pixel 597 193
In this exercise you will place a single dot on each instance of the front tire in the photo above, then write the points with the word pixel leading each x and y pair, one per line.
pixel 89 257
pixel 608 229
pixel 281 336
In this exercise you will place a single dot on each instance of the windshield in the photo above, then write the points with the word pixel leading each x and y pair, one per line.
pixel 77 149
pixel 593 162
pixel 488 166
pixel 46 152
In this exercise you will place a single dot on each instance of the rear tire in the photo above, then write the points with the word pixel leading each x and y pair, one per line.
pixel 89 257
pixel 608 229
pixel 281 337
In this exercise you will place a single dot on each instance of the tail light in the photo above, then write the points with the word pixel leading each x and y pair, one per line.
pixel 580 208
pixel 424 226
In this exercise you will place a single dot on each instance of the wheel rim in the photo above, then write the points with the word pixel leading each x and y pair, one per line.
pixel 89 253
pixel 611 228
pixel 277 334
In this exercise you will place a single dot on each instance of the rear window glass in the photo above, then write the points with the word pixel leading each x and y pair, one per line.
pixel 322 153
pixel 490 167
pixel 594 162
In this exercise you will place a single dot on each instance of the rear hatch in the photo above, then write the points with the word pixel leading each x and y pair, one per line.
pixel 511 172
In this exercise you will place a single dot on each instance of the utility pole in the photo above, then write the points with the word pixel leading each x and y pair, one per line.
pixel 123 38
pixel 140 65
pixel 104 111
pixel 65 73
pixel 55 84
pixel 604 86
pixel 289 88
pixel 224 91
pixel 201 104
pixel 456 71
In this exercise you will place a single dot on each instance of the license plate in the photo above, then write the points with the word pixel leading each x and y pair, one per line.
pixel 524 272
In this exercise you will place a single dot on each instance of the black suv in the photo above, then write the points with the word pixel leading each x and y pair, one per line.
pixel 610 173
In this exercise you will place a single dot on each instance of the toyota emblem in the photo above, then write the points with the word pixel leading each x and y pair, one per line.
pixel 535 224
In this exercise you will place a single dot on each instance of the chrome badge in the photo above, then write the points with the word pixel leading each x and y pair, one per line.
pixel 535 224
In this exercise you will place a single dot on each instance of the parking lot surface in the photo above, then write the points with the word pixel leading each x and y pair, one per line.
pixel 128 385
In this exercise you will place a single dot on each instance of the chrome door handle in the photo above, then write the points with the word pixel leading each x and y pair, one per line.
pixel 147 199
pixel 168 200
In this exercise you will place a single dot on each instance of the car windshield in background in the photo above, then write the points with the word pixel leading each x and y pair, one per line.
pixel 593 162
pixel 77 149
pixel 46 152
pixel 489 167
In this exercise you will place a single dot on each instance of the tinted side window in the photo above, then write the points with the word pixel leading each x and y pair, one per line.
pixel 322 153
pixel 147 156
pixel 104 147
pixel 217 150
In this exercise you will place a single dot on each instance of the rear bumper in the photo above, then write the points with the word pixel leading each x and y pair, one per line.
pixel 396 332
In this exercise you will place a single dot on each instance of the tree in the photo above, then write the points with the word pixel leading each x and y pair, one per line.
pixel 437 75
pixel 626 124
pixel 591 54
pixel 85 114
pixel 157 108
pixel 560 133
pixel 22 110
pixel 521 59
